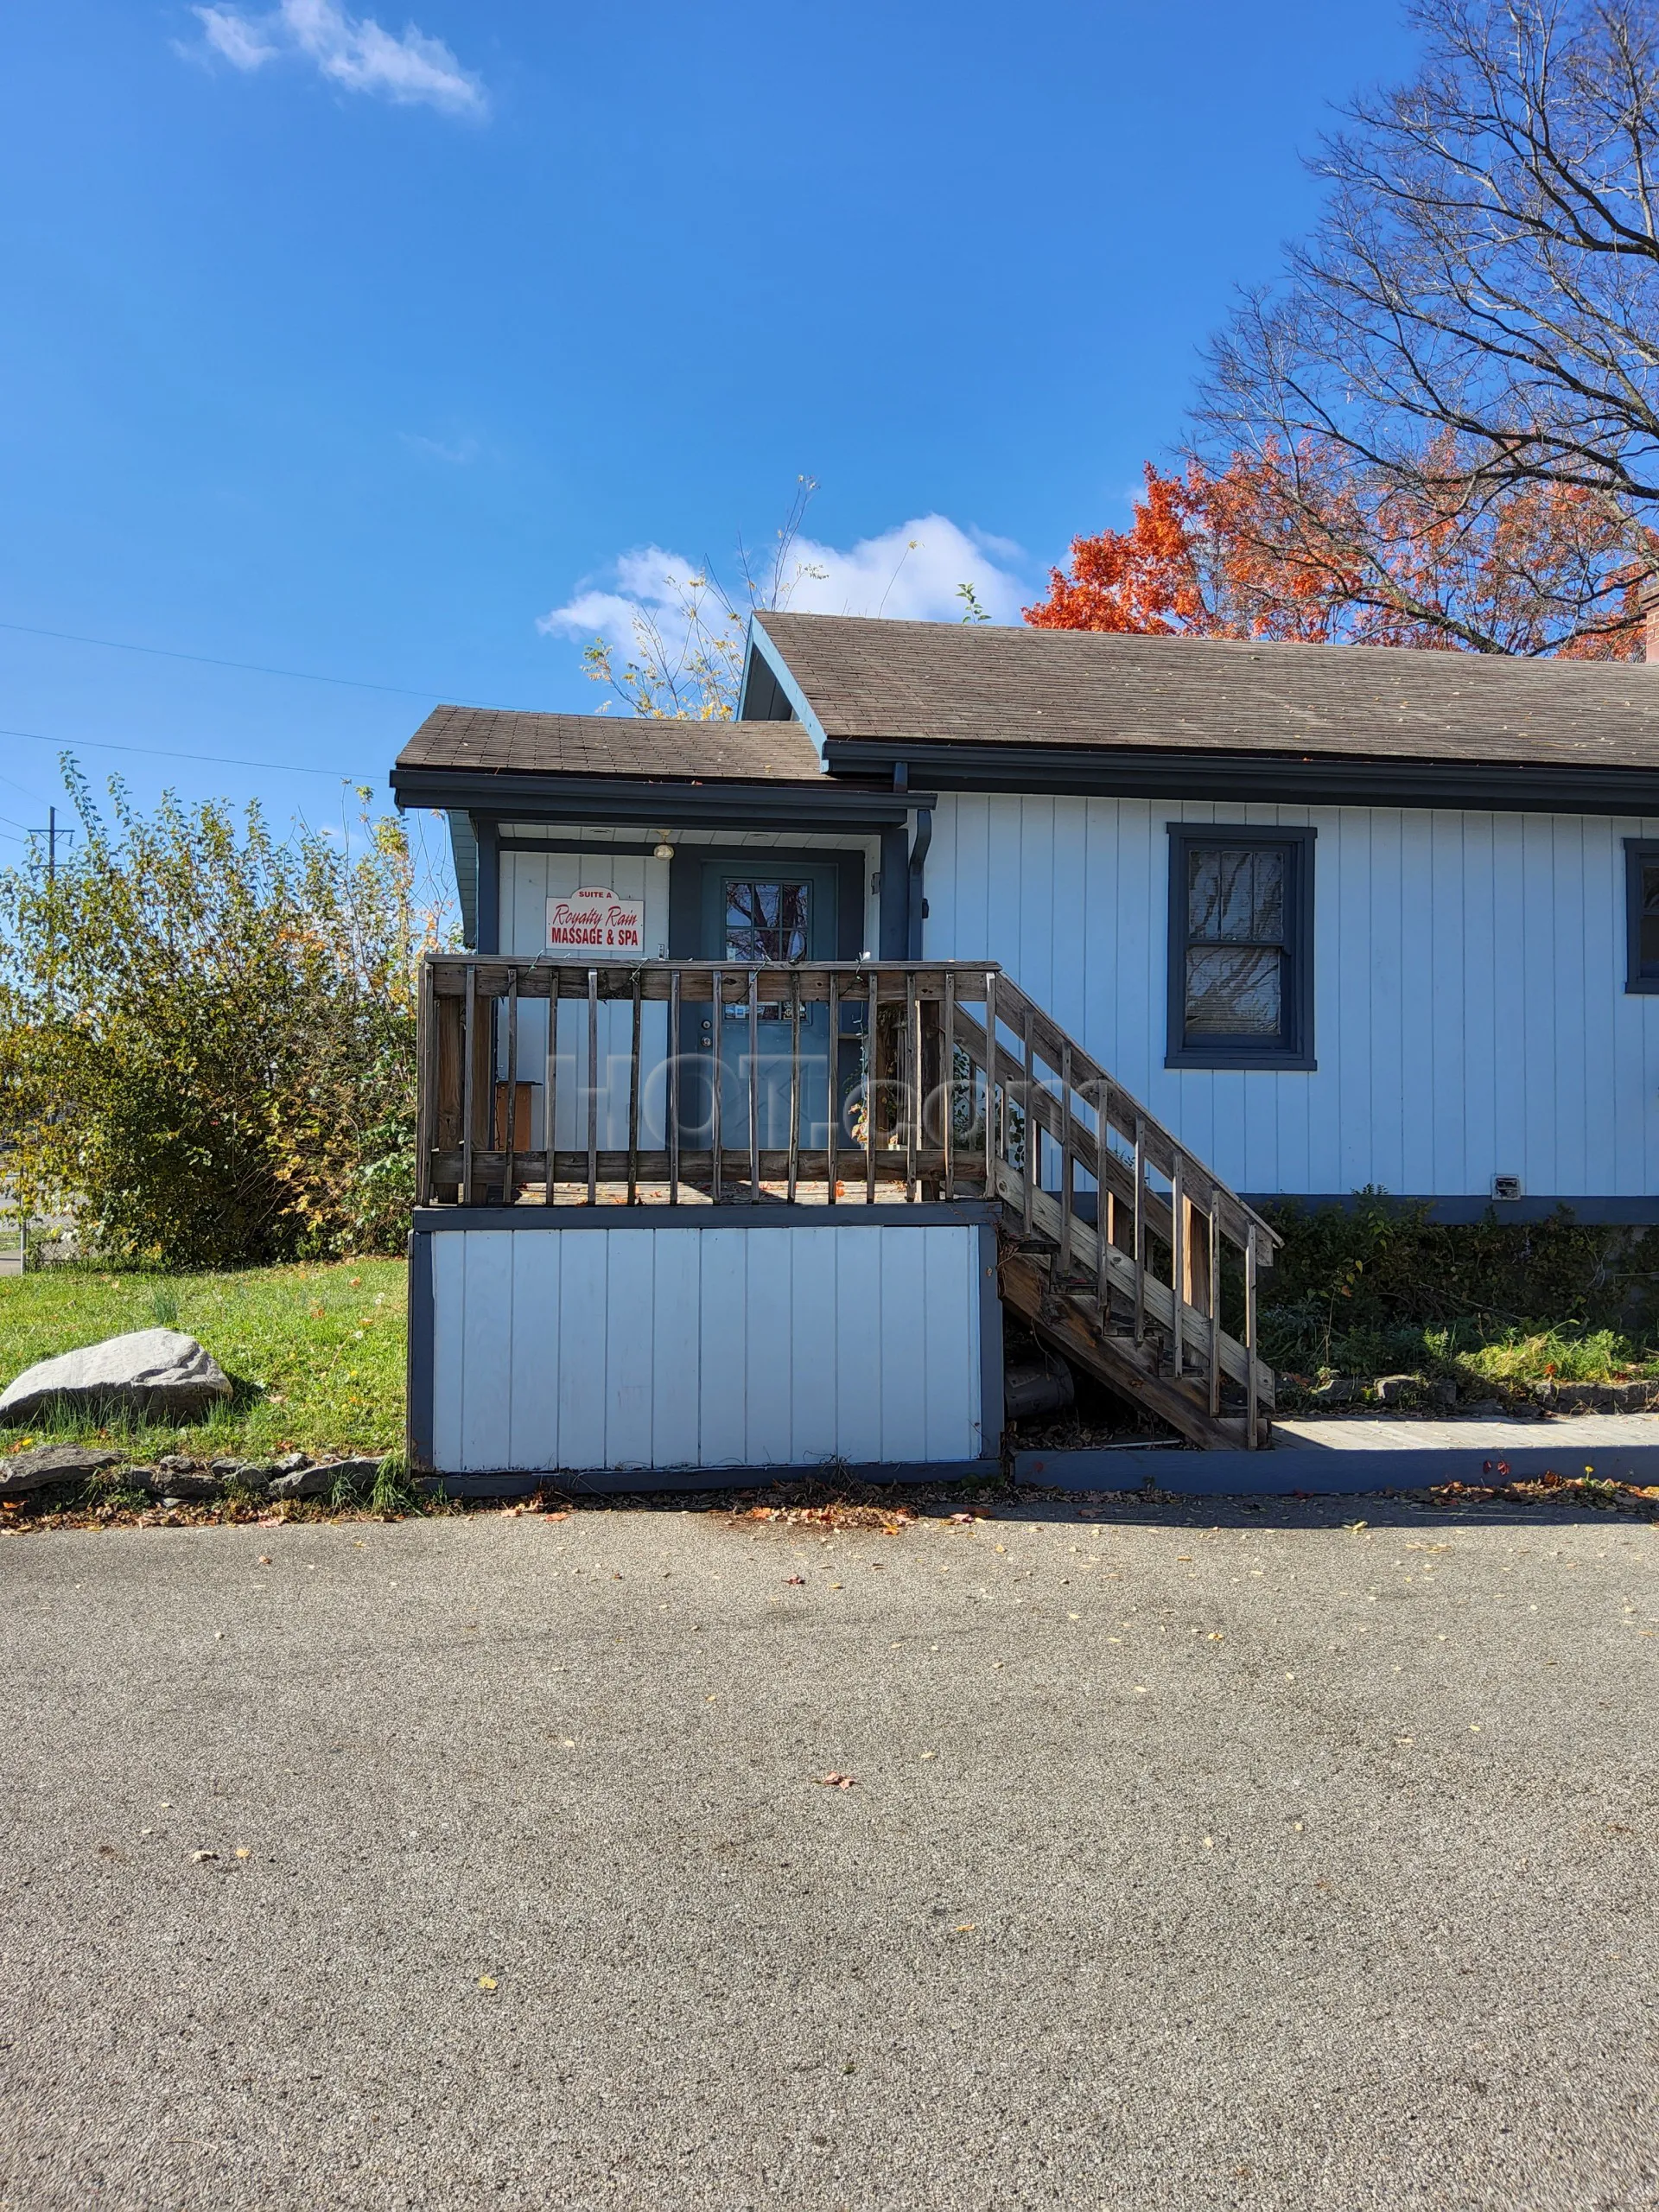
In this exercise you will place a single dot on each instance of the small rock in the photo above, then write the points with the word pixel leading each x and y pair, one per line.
pixel 355 1471
pixel 1443 1394
pixel 1340 1390
pixel 158 1374
pixel 1396 1390
pixel 291 1463
pixel 1485 1408
pixel 225 1469
pixel 304 1482
pixel 176 1463
pixel 51 1463
pixel 323 1481
pixel 175 1486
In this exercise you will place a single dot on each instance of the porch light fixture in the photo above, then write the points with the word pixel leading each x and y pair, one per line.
pixel 662 850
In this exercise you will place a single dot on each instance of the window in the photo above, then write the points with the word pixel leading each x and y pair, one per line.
pixel 1641 915
pixel 768 925
pixel 1241 913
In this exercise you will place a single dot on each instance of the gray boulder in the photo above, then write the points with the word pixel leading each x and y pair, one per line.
pixel 153 1374
pixel 51 1463
pixel 1338 1390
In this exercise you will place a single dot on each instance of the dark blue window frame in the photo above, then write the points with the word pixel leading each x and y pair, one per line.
pixel 1292 1049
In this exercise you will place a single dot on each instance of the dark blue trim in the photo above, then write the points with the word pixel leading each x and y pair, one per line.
pixel 932 1214
pixel 489 885
pixel 916 907
pixel 1294 1054
pixel 1636 849
pixel 762 647
pixel 894 943
pixel 652 1482
pixel 1286 778
pixel 421 1367
pixel 991 1361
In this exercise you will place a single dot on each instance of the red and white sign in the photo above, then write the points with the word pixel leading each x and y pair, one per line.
pixel 596 922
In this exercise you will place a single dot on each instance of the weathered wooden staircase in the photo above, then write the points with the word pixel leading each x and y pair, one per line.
pixel 1119 1248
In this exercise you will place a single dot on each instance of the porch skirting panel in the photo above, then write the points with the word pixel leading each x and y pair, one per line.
pixel 569 1343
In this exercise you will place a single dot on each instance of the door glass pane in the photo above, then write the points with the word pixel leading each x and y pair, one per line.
pixel 768 923
pixel 1234 991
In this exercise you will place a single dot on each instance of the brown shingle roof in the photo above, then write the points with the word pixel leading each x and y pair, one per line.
pixel 957 683
pixel 483 739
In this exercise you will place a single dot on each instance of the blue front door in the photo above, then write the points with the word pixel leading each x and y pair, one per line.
pixel 757 915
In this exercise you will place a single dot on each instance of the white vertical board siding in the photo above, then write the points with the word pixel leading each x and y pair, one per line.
pixel 1470 1012
pixel 640 1347
pixel 528 881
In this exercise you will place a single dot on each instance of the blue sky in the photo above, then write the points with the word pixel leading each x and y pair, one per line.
pixel 361 346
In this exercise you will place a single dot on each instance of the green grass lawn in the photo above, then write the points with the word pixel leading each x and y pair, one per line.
pixel 316 1353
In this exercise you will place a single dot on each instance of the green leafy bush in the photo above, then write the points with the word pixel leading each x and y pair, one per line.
pixel 1379 1289
pixel 206 1035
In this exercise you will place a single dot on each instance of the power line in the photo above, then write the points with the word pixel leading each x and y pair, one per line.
pixel 165 753
pixel 248 667
pixel 253 669
pixel 26 791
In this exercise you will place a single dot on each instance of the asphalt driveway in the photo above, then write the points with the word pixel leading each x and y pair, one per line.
pixel 489 1862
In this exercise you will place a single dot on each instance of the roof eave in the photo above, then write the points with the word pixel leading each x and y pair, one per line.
pixel 510 794
pixel 1291 778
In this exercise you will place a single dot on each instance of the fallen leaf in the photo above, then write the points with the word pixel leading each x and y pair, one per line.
pixel 836 1781
pixel 242 1851
pixel 486 1981
pixel 930 1755
pixel 264 1558
pixel 796 1582
pixel 964 1927
pixel 198 1856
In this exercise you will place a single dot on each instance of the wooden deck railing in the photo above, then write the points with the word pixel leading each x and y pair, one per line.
pixel 920 1060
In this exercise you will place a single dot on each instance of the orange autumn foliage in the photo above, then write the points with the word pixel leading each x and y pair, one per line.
pixel 1295 548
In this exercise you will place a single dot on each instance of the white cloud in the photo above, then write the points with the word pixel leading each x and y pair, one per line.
pixel 463 452
pixel 913 572
pixel 351 51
